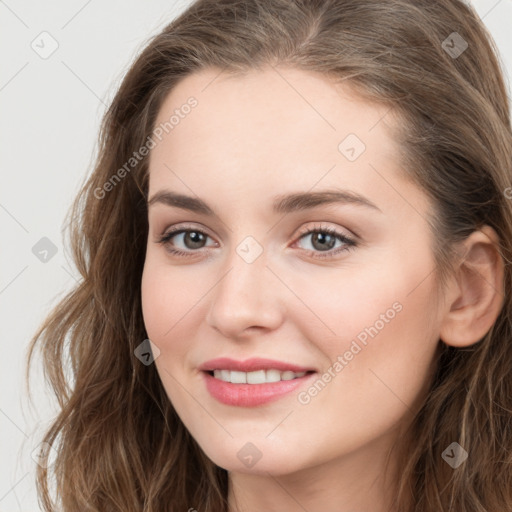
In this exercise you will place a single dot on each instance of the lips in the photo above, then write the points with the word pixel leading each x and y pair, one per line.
pixel 251 365
pixel 257 393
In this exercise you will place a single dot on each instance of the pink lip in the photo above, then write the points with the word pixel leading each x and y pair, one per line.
pixel 251 395
pixel 251 365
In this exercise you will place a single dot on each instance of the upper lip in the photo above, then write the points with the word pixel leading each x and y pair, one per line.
pixel 251 365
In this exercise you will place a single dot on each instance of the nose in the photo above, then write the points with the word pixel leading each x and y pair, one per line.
pixel 247 300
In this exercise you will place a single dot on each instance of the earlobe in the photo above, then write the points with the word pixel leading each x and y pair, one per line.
pixel 477 291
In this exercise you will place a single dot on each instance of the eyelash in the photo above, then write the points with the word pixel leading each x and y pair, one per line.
pixel 349 242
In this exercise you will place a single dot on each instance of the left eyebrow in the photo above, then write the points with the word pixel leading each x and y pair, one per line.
pixel 307 200
pixel 282 204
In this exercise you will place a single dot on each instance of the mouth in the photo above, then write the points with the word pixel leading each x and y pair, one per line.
pixel 256 388
pixel 252 382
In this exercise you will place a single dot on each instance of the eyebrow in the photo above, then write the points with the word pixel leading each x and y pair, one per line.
pixel 282 204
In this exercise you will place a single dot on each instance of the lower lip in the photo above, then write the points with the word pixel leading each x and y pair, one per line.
pixel 251 395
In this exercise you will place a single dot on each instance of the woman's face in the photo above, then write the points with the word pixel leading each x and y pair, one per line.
pixel 300 243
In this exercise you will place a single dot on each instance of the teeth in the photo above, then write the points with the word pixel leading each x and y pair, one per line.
pixel 257 377
pixel 238 377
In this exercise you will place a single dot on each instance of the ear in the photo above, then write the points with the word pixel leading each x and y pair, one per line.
pixel 476 293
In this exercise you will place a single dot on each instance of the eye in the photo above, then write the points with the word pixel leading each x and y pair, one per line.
pixel 324 239
pixel 192 239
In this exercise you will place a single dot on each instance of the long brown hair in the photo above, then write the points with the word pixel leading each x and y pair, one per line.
pixel 120 445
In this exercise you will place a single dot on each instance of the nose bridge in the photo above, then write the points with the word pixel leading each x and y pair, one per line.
pixel 248 294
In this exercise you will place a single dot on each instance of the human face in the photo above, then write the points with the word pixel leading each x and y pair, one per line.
pixel 254 284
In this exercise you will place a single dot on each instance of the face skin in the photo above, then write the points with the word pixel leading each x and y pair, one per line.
pixel 249 139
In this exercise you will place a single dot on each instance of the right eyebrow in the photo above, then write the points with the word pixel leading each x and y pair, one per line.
pixel 182 201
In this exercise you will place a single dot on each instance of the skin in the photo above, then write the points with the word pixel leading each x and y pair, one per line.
pixel 250 138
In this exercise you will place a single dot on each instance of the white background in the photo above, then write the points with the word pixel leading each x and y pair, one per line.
pixel 50 114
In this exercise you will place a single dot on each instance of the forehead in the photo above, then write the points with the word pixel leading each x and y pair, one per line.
pixel 310 103
pixel 268 130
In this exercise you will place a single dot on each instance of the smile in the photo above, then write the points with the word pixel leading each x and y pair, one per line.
pixel 256 377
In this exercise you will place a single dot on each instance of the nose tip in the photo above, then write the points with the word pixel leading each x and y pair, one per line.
pixel 246 300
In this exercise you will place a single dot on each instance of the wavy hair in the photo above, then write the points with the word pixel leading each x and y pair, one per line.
pixel 119 444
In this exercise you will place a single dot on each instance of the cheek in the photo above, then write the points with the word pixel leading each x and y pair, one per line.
pixel 386 292
pixel 379 314
pixel 154 299
pixel 174 300
pixel 334 306
pixel 166 297
pixel 386 335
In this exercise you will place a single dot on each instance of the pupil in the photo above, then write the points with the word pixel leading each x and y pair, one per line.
pixel 321 237
pixel 195 238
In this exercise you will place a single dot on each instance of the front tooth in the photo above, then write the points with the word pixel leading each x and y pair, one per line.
pixel 273 375
pixel 257 377
pixel 238 377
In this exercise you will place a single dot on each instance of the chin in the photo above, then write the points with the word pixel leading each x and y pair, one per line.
pixel 247 458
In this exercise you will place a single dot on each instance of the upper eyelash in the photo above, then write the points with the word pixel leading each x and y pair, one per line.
pixel 349 242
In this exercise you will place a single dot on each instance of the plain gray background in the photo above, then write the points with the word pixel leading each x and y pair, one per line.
pixel 51 107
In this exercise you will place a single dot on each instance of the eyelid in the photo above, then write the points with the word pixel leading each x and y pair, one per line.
pixel 177 228
pixel 318 226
